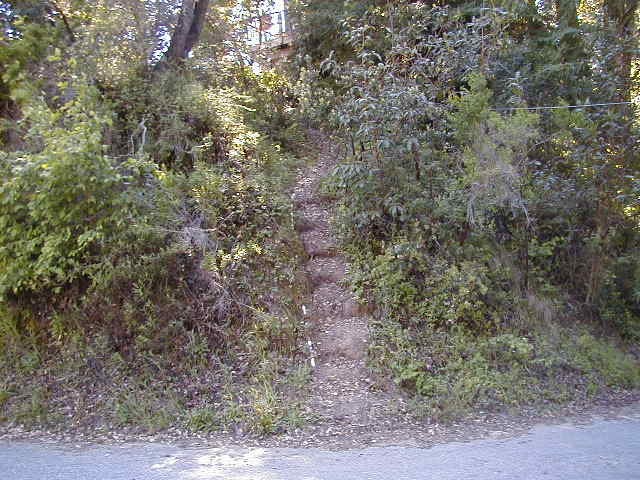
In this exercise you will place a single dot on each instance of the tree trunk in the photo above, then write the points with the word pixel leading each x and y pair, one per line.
pixel 188 30
pixel 571 43
pixel 621 16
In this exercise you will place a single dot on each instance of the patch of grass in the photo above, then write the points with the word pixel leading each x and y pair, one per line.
pixel 10 329
pixel 274 402
pixel 603 362
pixel 274 333
pixel 30 361
pixel 295 417
pixel 145 409
pixel 4 396
pixel 203 419
pixel 33 409
pixel 299 377
pixel 264 409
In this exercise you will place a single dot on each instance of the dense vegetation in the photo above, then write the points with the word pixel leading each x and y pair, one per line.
pixel 143 212
pixel 149 267
pixel 500 242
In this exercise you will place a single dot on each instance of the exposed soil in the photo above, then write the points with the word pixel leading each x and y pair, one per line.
pixel 344 394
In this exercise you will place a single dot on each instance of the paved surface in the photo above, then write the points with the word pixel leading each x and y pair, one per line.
pixel 601 450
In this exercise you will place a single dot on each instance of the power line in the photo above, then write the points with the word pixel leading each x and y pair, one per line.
pixel 502 109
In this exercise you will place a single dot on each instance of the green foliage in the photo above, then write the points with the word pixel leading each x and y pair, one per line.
pixel 61 203
pixel 614 367
pixel 494 149
pixel 470 220
pixel 264 406
pixel 452 372
pixel 204 419
pixel 17 57
pixel 145 409
pixel 271 333
pixel 140 205
pixel 33 410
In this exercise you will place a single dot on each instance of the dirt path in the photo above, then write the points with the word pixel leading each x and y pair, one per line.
pixel 343 393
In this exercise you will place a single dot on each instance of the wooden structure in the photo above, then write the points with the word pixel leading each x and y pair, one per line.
pixel 272 34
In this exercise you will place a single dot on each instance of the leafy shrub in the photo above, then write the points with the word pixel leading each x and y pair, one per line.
pixel 471 226
pixel 153 208
pixel 64 201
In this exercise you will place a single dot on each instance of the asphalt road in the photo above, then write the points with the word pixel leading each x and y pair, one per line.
pixel 601 450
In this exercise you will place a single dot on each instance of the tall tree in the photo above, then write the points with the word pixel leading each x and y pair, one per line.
pixel 188 29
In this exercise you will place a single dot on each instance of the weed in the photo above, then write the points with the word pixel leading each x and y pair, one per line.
pixel 265 409
pixel 10 328
pixel 33 409
pixel 203 419
pixel 299 377
pixel 145 409
pixel 276 333
pixel 5 395
pixel 197 349
pixel 263 418
pixel 30 361
pixel 295 417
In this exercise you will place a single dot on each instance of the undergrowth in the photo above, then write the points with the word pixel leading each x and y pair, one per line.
pixel 149 266
pixel 497 247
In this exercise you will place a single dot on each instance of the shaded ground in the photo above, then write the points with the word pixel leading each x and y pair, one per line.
pixel 603 450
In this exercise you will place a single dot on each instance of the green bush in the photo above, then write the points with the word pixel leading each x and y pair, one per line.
pixel 473 228
pixel 63 201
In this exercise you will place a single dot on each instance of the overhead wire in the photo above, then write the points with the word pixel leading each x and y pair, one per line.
pixel 554 107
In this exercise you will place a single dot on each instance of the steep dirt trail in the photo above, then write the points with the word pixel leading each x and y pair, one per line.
pixel 343 392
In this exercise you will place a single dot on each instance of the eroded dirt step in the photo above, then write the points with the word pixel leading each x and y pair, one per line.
pixel 345 376
pixel 307 195
pixel 325 270
pixel 332 300
pixel 349 393
pixel 347 339
pixel 342 389
pixel 319 243
pixel 313 217
pixel 307 199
